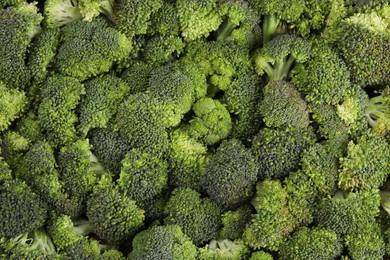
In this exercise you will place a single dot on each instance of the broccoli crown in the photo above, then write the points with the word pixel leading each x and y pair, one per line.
pixel 261 255
pixel 272 222
pixel 324 77
pixel 174 85
pixel 162 242
pixel 132 17
pixel 42 51
pixel 312 243
pixel 285 144
pixel 277 56
pixel 199 218
pixel 160 49
pixel 367 243
pixel 223 249
pixel 139 120
pixel 187 160
pixel 12 104
pixel 230 176
pixel 364 42
pixel 60 96
pixel 90 48
pixel 83 249
pixel 137 76
pixel 18 25
pixel 21 210
pixel 235 221
pixel 143 176
pixel 348 213
pixel 283 106
pixel 166 20
pixel 212 122
pixel 113 216
pixel 366 165
pixel 103 95
pixel 197 18
pixel 321 167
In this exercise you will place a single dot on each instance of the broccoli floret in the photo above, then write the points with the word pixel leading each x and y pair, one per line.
pixel 286 145
pixel 283 106
pixel 166 20
pixel 175 87
pixel 312 243
pixel 140 121
pixel 364 43
pixel 163 242
pixel 230 176
pixel 132 17
pixel 102 98
pixel 277 57
pixel 12 103
pixel 21 210
pixel 90 48
pixel 346 213
pixel 161 49
pixel 197 18
pixel 84 249
pixel 378 109
pixel 143 176
pixel 113 216
pixel 223 249
pixel 211 123
pixel 261 255
pixel 18 25
pixel 60 96
pixel 61 12
pixel 235 221
pixel 199 218
pixel 137 76
pixel 276 12
pixel 273 222
pixel 187 160
pixel 366 165
pixel 324 78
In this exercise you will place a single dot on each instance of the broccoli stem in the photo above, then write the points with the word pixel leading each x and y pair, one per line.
pixel 82 227
pixel 281 69
pixel 225 30
pixel 270 24
pixel 377 108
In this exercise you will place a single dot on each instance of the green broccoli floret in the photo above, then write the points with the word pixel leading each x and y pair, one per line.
pixel 286 145
pixel 235 221
pixel 367 243
pixel 175 87
pixel 242 98
pixel 276 12
pixel 102 98
pixel 113 216
pixel 132 17
pixel 29 127
pixel 140 122
pixel 324 77
pixel 109 147
pixel 90 48
pixel 60 96
pixel 272 222
pixel 61 12
pixel 231 174
pixel 211 123
pixel 366 165
pixel 223 249
pixel 161 49
pixel 84 249
pixel 277 57
pixel 364 43
pixel 187 160
pixel 321 167
pixel 137 76
pixel 12 103
pixel 41 55
pixel 34 245
pixel 165 21
pixel 312 243
pixel 346 213
pixel 21 210
pixel 18 25
pixel 197 18
pixel 283 106
pixel 261 255
pixel 378 109
pixel 199 218
pixel 143 176
pixel 163 242
pixel 7 3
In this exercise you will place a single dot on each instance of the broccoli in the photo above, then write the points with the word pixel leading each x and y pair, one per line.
pixel 261 255
pixel 231 174
pixel 235 221
pixel 12 103
pixel 160 49
pixel 378 109
pixel 137 76
pixel 162 242
pixel 223 249
pixel 199 218
pixel 61 12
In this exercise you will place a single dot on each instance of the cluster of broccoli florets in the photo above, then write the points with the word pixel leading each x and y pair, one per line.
pixel 195 129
